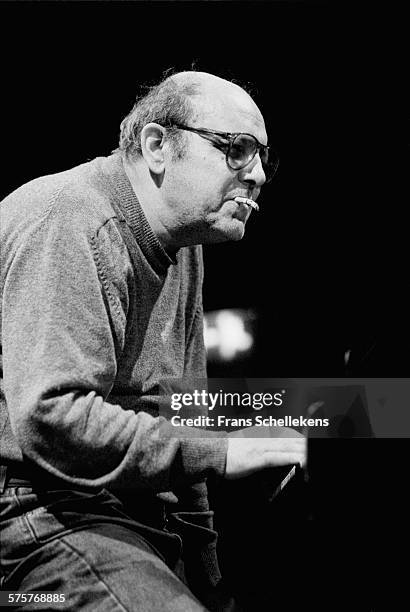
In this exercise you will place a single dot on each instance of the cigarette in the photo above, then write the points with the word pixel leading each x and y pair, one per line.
pixel 247 201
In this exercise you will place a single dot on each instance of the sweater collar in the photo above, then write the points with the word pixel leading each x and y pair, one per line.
pixel 130 207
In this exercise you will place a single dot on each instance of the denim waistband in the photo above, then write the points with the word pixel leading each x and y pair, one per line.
pixel 22 475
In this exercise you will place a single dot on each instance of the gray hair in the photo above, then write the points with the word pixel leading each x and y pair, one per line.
pixel 166 103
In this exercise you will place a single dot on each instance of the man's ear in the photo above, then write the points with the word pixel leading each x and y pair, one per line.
pixel 152 147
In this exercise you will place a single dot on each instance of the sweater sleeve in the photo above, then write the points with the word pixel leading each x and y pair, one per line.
pixel 60 361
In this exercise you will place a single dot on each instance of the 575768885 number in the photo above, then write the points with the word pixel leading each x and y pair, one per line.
pixel 11 598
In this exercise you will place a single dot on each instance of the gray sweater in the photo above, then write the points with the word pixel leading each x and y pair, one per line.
pixel 94 314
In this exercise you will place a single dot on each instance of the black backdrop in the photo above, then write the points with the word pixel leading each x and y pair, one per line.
pixel 323 263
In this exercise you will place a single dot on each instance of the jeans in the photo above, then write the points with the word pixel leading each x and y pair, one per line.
pixel 84 546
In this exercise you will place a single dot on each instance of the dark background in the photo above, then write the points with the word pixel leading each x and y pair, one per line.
pixel 323 264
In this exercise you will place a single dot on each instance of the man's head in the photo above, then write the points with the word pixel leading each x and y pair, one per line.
pixel 193 175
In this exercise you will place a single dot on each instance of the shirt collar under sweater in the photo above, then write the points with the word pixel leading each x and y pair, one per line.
pixel 127 202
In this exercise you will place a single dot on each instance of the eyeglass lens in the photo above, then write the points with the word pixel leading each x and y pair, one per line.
pixel 243 149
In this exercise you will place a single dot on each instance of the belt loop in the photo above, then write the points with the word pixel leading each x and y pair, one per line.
pixel 3 476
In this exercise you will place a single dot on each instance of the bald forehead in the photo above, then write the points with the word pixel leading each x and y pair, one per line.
pixel 223 102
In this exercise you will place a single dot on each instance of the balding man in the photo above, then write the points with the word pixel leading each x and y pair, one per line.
pixel 101 296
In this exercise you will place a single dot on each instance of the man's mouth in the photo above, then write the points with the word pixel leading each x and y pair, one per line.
pixel 248 202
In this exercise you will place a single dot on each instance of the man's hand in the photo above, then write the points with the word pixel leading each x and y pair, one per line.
pixel 249 454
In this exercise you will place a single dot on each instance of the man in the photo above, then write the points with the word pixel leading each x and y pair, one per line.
pixel 101 295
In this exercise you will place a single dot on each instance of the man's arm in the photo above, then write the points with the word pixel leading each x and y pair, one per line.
pixel 60 345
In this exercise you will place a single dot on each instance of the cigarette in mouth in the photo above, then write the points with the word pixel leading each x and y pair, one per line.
pixel 247 201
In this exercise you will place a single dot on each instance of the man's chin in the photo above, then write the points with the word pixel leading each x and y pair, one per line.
pixel 229 232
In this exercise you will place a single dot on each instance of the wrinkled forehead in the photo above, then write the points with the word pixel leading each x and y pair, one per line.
pixel 230 109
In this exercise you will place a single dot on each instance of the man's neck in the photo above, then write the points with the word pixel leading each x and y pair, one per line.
pixel 148 196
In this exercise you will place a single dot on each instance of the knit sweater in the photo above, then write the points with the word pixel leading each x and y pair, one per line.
pixel 94 314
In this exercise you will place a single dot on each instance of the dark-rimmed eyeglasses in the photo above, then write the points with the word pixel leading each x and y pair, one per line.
pixel 240 148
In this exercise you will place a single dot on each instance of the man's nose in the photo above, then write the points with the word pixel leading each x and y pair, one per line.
pixel 253 174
